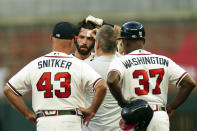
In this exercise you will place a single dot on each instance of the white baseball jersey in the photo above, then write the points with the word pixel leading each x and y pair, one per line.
pixel 57 81
pixel 108 114
pixel 144 75
pixel 147 76
pixel 91 57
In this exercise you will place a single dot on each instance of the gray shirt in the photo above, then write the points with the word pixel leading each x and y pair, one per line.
pixel 108 116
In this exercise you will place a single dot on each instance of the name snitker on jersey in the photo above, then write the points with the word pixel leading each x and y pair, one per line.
pixel 54 63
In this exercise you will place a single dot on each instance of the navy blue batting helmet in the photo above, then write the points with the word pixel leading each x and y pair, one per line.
pixel 132 30
pixel 137 112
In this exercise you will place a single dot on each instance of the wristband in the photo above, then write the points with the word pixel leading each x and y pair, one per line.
pixel 105 23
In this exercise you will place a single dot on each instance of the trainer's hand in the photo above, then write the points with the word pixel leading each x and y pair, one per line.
pixel 93 33
pixel 87 115
pixel 95 21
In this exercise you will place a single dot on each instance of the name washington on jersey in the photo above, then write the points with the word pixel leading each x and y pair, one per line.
pixel 54 63
pixel 145 60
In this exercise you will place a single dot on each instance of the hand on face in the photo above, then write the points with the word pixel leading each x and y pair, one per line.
pixel 93 33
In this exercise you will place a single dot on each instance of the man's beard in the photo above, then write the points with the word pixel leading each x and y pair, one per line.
pixel 84 52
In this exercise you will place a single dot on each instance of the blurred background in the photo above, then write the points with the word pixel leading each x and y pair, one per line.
pixel 25 26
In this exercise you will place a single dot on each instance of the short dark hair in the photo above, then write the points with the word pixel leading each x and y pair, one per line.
pixel 107 38
pixel 85 25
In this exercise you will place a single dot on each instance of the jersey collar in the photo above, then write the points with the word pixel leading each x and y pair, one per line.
pixel 57 54
pixel 140 52
pixel 105 58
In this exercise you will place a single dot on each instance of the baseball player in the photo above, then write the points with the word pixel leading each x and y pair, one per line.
pixel 108 116
pixel 84 42
pixel 143 75
pixel 58 82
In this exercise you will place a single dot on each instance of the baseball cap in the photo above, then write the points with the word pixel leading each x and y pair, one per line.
pixel 64 30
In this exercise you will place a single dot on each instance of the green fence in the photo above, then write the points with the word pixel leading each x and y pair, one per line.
pixel 185 117
pixel 11 120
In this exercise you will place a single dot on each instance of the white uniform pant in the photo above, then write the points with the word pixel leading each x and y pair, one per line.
pixel 60 123
pixel 93 126
pixel 159 122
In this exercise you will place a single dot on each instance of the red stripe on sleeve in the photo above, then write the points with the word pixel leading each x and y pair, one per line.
pixel 60 56
pixel 96 81
pixel 14 89
pixel 180 78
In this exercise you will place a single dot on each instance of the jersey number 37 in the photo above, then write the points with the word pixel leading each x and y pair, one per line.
pixel 44 84
pixel 159 73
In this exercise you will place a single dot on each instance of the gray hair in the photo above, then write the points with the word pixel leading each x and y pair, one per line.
pixel 107 39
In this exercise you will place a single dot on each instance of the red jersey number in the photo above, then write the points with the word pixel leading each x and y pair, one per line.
pixel 145 80
pixel 65 84
pixel 44 84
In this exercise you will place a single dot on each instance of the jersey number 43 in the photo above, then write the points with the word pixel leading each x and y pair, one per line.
pixel 159 73
pixel 44 84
